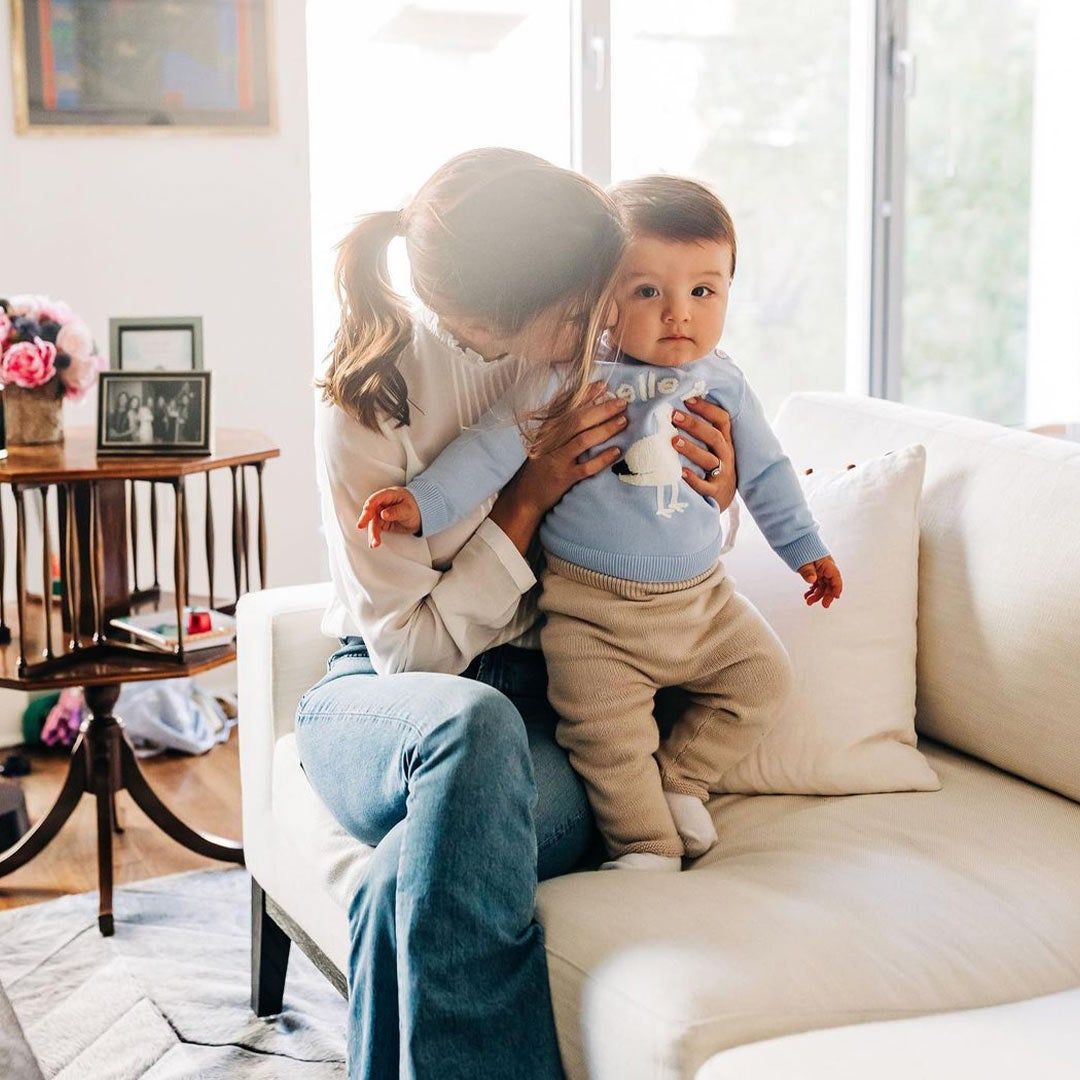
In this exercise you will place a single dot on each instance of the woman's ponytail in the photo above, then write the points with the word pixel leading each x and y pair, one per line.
pixel 494 235
pixel 362 376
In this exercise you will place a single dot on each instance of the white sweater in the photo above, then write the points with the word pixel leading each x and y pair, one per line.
pixel 421 603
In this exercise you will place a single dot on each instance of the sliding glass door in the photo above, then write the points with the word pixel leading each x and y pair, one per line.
pixel 876 156
pixel 968 207
pixel 751 96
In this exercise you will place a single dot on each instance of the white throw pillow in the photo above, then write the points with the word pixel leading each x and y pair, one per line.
pixel 849 726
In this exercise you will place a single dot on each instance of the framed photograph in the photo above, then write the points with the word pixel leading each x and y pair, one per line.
pixel 158 344
pixel 113 66
pixel 154 412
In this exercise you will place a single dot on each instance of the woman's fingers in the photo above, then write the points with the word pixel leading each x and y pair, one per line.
pixel 593 415
pixel 713 413
pixel 698 483
pixel 706 422
pixel 696 453
pixel 604 460
pixel 710 425
pixel 594 436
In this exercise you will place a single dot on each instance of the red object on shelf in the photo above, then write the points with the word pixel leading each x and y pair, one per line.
pixel 198 622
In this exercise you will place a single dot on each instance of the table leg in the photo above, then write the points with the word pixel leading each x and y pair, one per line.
pixel 105 865
pixel 116 826
pixel 145 798
pixel 37 839
pixel 102 763
pixel 105 737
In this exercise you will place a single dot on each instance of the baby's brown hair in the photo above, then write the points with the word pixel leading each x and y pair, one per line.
pixel 674 208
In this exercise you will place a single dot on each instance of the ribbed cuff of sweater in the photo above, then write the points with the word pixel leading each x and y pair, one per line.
pixel 435 511
pixel 807 548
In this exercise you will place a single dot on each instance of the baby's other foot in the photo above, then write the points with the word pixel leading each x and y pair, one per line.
pixel 693 823
pixel 643 860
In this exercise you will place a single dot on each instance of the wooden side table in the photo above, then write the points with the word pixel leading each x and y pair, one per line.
pixel 51 645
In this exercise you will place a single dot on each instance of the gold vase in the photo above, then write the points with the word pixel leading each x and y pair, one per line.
pixel 33 417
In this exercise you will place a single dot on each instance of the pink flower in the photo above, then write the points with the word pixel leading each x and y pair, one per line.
pixel 79 375
pixel 29 364
pixel 75 338
pixel 26 304
pixel 57 311
pixel 5 328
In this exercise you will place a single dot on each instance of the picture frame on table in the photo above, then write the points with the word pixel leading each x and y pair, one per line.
pixel 159 343
pixel 154 412
pixel 106 67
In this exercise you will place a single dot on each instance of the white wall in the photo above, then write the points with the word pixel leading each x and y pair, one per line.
pixel 174 224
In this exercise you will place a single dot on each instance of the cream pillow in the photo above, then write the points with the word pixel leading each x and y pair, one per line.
pixel 849 725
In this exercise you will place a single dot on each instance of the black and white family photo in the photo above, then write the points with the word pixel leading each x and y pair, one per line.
pixel 162 413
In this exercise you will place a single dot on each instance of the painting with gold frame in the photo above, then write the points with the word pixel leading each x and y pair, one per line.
pixel 111 66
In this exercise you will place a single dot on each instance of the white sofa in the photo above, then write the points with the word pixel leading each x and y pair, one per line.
pixel 813 914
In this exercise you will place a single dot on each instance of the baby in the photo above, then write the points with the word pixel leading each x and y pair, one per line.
pixel 634 594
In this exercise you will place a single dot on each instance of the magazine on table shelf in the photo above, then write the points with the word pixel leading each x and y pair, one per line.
pixel 205 628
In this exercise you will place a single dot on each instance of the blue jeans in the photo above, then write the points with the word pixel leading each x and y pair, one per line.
pixel 462 787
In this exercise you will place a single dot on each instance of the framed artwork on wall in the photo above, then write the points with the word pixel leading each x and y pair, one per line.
pixel 162 343
pixel 109 66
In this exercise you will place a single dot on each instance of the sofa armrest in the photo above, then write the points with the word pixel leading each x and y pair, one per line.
pixel 280 653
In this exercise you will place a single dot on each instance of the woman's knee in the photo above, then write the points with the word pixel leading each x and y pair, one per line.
pixel 377 887
pixel 482 721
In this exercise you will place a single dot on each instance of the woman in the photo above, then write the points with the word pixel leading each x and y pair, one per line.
pixel 118 421
pixel 132 421
pixel 145 431
pixel 458 780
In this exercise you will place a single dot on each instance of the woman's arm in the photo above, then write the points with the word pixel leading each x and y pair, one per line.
pixel 413 615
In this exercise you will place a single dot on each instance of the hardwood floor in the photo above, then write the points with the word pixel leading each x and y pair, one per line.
pixel 204 791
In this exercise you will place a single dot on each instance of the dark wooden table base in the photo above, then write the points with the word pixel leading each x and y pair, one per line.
pixel 103 763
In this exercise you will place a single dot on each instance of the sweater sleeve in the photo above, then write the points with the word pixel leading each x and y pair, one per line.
pixel 475 466
pixel 413 616
pixel 768 484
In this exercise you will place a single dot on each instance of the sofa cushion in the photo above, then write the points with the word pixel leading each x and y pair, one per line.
pixel 307 821
pixel 1039 1038
pixel 849 725
pixel 999 576
pixel 815 912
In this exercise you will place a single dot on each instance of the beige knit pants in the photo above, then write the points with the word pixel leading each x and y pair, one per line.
pixel 610 645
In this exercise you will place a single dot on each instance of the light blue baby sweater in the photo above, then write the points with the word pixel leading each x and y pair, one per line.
pixel 638 520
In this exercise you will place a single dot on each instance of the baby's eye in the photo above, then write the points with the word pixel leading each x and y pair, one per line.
pixel 649 292
pixel 701 290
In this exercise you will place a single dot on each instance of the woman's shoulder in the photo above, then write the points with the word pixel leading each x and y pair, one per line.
pixel 430 349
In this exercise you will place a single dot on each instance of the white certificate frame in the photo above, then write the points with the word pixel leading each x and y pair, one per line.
pixel 185 355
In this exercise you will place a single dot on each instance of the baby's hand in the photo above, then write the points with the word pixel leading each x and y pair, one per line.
pixel 826 584
pixel 391 510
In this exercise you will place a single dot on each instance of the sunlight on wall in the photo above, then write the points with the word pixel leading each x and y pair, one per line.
pixel 398 88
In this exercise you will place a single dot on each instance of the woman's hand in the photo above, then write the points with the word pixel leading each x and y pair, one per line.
pixel 711 427
pixel 543 480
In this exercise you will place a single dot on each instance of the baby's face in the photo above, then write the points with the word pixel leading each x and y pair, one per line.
pixel 672 299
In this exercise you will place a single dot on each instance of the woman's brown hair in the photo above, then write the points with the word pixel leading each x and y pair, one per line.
pixel 494 234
